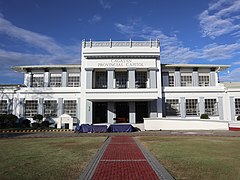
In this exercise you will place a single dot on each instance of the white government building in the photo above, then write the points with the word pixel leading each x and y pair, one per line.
pixel 124 82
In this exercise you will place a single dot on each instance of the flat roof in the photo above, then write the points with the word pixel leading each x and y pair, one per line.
pixel 218 67
pixel 57 66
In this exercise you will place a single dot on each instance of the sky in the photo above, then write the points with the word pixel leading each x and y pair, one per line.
pixel 34 32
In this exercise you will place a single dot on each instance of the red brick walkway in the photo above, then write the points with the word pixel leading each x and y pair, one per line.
pixel 123 159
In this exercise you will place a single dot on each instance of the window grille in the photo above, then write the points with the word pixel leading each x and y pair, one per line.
pixel 237 106
pixel 121 79
pixel 101 80
pixel 73 81
pixel 211 107
pixel 141 79
pixel 37 81
pixel 186 80
pixel 192 107
pixel 50 108
pixel 31 108
pixel 203 80
pixel 172 107
pixel 70 107
pixel 55 81
pixel 3 106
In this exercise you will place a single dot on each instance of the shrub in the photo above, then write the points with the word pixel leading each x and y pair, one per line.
pixel 26 123
pixel 10 120
pixel 45 124
pixel 35 125
pixel 238 118
pixel 204 116
pixel 38 118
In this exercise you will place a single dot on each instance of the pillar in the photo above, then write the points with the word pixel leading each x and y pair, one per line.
pixel 22 107
pixel 111 112
pixel 182 107
pixel 195 81
pixel 201 105
pixel 212 77
pixel 110 78
pixel 46 78
pixel 132 113
pixel 10 106
pixel 28 79
pixel 159 107
pixel 41 106
pixel 78 110
pixel 220 108
pixel 60 107
pixel 153 77
pixel 88 111
pixel 64 78
pixel 232 108
pixel 131 77
pixel 177 77
pixel 89 78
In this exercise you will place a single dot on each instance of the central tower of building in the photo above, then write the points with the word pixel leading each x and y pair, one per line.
pixel 120 81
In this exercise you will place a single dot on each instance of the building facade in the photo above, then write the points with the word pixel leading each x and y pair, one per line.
pixel 122 82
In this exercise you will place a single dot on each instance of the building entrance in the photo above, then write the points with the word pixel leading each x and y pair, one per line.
pixel 99 112
pixel 122 112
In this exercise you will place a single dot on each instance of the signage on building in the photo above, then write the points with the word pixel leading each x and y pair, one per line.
pixel 121 63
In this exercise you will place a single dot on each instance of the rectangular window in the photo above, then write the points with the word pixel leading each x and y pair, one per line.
pixel 171 81
pixel 31 108
pixel 121 79
pixel 203 80
pixel 141 79
pixel 211 107
pixel 37 81
pixel 186 80
pixel 74 81
pixel 237 106
pixel 172 107
pixel 101 80
pixel 70 107
pixel 50 108
pixel 55 81
pixel 3 106
pixel 191 107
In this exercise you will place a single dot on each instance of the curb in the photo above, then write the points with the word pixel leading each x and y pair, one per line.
pixel 34 130
pixel 159 169
pixel 87 174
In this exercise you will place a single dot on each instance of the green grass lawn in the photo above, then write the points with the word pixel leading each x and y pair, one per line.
pixel 197 157
pixel 45 158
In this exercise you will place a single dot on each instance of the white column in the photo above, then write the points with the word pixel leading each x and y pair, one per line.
pixel 46 79
pixel 88 111
pixel 201 105
pixel 111 112
pixel 153 77
pixel 182 107
pixel 28 79
pixel 78 108
pixel 131 77
pixel 64 78
pixel 232 108
pixel 132 113
pixel 159 107
pixel 89 78
pixel 220 108
pixel 212 77
pixel 177 78
pixel 110 78
pixel 22 107
pixel 60 107
pixel 41 106
pixel 10 106
pixel 195 78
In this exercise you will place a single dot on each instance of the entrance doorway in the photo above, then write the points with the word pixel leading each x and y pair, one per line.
pixel 99 112
pixel 122 112
pixel 141 111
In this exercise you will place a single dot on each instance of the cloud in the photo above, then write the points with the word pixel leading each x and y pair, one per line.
pixel 95 19
pixel 230 76
pixel 105 4
pixel 46 49
pixel 221 17
pixel 172 49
